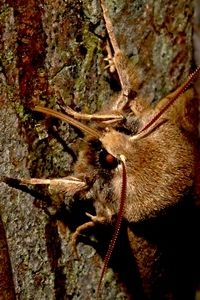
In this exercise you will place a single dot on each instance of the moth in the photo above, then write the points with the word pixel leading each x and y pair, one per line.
pixel 137 165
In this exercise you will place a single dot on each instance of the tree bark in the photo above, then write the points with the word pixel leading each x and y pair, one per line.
pixel 52 53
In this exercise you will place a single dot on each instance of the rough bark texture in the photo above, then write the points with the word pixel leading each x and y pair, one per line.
pixel 52 52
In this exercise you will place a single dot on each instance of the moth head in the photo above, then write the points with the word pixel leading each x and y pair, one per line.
pixel 112 142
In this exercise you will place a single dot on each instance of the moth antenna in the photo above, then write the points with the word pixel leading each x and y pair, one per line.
pixel 50 112
pixel 192 77
pixel 117 224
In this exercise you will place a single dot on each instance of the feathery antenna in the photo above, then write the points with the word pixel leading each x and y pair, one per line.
pixel 174 96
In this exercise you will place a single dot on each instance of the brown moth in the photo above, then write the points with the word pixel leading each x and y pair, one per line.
pixel 138 166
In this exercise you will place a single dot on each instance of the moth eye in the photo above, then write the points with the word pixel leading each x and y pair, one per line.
pixel 107 160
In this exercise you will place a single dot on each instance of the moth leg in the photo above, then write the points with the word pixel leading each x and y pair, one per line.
pixel 94 220
pixel 69 185
pixel 129 79
pixel 78 232
pixel 109 59
pixel 97 219
pixel 119 59
pixel 111 117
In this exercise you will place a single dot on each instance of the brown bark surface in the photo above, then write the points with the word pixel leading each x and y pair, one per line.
pixel 52 53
